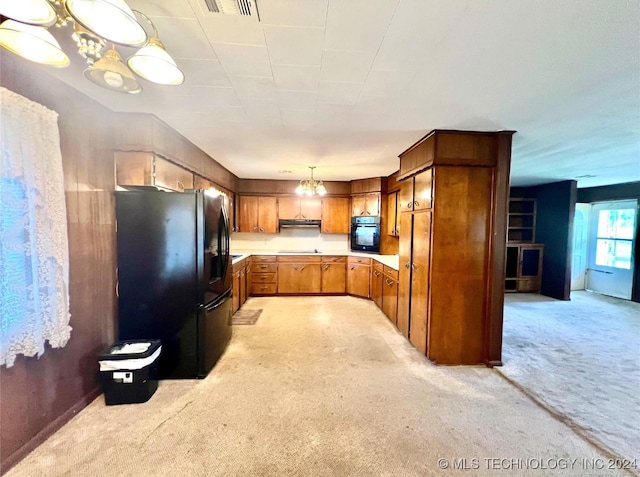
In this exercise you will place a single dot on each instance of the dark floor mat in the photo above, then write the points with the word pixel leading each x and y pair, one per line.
pixel 246 317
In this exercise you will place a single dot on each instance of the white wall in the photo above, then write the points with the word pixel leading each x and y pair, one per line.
pixel 290 239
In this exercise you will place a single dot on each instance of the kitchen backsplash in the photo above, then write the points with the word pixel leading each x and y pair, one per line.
pixel 290 239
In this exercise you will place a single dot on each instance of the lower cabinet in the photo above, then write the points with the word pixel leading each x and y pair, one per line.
pixel 263 278
pixel 358 275
pixel 377 281
pixel 239 284
pixel 299 275
pixel 390 294
pixel 523 267
pixel 334 275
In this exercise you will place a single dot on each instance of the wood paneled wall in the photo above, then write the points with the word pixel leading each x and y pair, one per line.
pixel 285 187
pixel 39 395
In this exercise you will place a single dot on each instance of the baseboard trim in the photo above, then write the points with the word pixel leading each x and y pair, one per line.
pixel 48 431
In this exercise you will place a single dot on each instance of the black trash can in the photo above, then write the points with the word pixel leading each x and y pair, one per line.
pixel 129 371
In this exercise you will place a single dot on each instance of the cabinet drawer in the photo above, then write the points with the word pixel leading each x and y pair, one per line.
pixel 263 258
pixel 391 273
pixel 361 260
pixel 300 258
pixel 263 277
pixel 263 288
pixel 377 266
pixel 529 285
pixel 334 259
pixel 264 268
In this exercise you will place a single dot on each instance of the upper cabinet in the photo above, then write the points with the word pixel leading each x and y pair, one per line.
pixel 143 168
pixel 416 193
pixel 393 214
pixel 365 204
pixel 299 208
pixel 336 217
pixel 257 214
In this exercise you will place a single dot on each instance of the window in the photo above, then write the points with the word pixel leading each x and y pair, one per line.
pixel 615 238
pixel 34 254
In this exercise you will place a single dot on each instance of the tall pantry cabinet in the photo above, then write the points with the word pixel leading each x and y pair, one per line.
pixel 455 187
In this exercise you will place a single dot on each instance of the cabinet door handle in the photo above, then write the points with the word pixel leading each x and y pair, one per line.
pixel 255 228
pixel 263 266
pixel 407 265
pixel 325 266
pixel 261 229
pixel 303 216
pixel 362 212
pixel 416 203
pixel 376 273
pixel 413 267
pixel 353 267
pixel 409 205
pixel 388 282
pixel 180 185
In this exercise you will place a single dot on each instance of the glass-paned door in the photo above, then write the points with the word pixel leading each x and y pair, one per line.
pixel 611 244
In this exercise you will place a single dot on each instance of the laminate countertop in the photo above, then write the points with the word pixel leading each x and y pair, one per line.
pixel 388 260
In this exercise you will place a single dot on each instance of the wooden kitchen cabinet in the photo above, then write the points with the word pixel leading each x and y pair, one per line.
pixel 376 284
pixel 416 192
pixel 365 204
pixel 143 168
pixel 263 278
pixel 358 275
pixel 334 275
pixel 299 274
pixel 390 293
pixel 393 214
pixel 452 245
pixel 257 214
pixel 239 284
pixel 336 215
pixel 299 208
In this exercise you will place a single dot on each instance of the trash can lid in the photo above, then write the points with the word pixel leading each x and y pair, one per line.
pixel 128 349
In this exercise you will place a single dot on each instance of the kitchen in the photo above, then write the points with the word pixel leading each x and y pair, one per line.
pixel 62 381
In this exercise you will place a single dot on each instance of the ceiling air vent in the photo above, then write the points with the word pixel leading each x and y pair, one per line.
pixel 248 8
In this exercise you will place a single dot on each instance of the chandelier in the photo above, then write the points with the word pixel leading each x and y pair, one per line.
pixel 94 23
pixel 311 186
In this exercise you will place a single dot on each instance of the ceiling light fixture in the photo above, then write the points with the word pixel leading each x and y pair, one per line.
pixel 311 186
pixel 94 22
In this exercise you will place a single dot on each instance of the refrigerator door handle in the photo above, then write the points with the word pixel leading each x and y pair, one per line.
pixel 218 302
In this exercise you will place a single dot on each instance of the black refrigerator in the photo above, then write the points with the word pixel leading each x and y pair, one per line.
pixel 174 276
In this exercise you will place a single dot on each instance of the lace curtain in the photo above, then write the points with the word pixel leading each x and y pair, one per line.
pixel 34 252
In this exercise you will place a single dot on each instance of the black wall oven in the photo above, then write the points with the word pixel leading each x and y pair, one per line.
pixel 365 234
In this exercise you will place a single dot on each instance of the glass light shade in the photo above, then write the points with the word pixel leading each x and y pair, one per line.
pixel 110 19
pixel 111 73
pixel 33 43
pixel 154 64
pixel 34 12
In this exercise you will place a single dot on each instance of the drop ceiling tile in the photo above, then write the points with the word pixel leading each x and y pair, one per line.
pixel 298 118
pixel 417 28
pixel 203 73
pixel 294 46
pixel 348 66
pixel 205 99
pixel 232 29
pixel 296 78
pixel 358 25
pixel 300 100
pixel 190 42
pixel 243 60
pixel 166 8
pixel 257 108
pixel 253 87
pixel 338 92
pixel 387 83
pixel 312 13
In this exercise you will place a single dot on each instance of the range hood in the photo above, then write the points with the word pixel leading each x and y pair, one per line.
pixel 299 223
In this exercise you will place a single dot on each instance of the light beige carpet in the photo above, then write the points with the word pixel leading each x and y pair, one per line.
pixel 320 386
pixel 581 358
